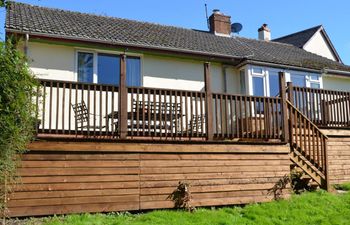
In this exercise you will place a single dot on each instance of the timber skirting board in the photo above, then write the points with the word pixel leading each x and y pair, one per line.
pixel 160 148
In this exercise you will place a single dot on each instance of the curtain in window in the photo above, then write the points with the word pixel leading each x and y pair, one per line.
pixel 85 67
pixel 133 71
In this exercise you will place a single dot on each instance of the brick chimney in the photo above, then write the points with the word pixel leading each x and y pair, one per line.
pixel 220 24
pixel 264 33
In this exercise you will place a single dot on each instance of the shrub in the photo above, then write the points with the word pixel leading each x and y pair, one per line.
pixel 17 88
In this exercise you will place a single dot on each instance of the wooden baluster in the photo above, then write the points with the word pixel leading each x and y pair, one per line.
pixel 63 106
pixel 50 107
pixel 201 114
pixel 232 117
pixel 216 114
pixel 131 90
pixel 100 108
pixel 154 112
pixel 143 112
pixel 112 112
pixel 44 107
pixel 94 109
pixel 347 95
pixel 149 111
pixel 137 110
pixel 88 110
pixel 239 120
pixel 186 115
pixel 256 117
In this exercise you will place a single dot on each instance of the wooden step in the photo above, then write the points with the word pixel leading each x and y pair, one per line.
pixel 307 167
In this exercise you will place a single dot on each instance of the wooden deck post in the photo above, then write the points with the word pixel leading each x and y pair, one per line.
pixel 123 100
pixel 284 112
pixel 208 102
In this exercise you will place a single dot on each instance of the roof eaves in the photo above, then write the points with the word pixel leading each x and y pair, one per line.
pixel 277 65
pixel 91 40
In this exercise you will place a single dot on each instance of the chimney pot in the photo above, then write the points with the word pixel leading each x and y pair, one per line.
pixel 220 24
pixel 264 33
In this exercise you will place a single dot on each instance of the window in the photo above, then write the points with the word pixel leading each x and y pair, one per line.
pixel 274 84
pixel 257 70
pixel 107 69
pixel 298 80
pixel 133 71
pixel 315 85
pixel 258 86
pixel 85 67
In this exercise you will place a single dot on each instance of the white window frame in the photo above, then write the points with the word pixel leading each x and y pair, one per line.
pixel 255 74
pixel 266 76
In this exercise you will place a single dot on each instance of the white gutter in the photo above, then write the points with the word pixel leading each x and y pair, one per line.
pixel 281 66
pixel 336 72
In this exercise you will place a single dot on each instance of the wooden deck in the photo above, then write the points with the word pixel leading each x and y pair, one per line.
pixel 71 177
pixel 102 148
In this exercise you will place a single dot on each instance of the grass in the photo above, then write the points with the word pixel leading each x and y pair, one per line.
pixel 319 208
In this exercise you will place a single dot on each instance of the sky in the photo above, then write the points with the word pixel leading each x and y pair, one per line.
pixel 282 16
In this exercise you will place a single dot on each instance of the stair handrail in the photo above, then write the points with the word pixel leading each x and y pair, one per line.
pixel 312 123
pixel 321 161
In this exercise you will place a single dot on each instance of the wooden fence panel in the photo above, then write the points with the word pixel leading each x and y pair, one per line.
pixel 107 177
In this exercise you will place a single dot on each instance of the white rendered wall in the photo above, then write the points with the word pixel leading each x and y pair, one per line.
pixel 336 83
pixel 52 61
pixel 318 45
pixel 57 62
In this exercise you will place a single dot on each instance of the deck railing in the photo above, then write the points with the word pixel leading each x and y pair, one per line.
pixel 325 108
pixel 76 109
pixel 85 111
pixel 154 112
pixel 248 117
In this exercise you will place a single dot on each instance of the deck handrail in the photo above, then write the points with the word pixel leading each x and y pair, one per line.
pixel 325 108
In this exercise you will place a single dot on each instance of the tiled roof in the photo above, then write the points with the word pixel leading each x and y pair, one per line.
pixel 300 38
pixel 73 25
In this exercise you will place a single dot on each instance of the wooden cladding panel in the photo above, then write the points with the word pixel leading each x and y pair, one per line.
pixel 63 182
pixel 215 179
pixel 339 159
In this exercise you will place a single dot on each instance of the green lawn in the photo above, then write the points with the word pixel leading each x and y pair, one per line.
pixel 309 208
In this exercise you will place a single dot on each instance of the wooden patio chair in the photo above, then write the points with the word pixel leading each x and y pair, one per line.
pixel 196 124
pixel 82 117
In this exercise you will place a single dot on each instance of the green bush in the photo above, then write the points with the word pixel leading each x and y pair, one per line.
pixel 17 88
pixel 344 187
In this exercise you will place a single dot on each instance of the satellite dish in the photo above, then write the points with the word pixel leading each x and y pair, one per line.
pixel 236 27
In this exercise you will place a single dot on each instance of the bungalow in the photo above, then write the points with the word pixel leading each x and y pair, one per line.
pixel 128 109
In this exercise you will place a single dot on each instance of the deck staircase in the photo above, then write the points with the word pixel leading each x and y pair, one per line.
pixel 308 147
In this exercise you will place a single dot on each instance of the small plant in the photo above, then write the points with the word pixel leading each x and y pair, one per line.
pixel 300 183
pixel 343 187
pixel 278 188
pixel 182 197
